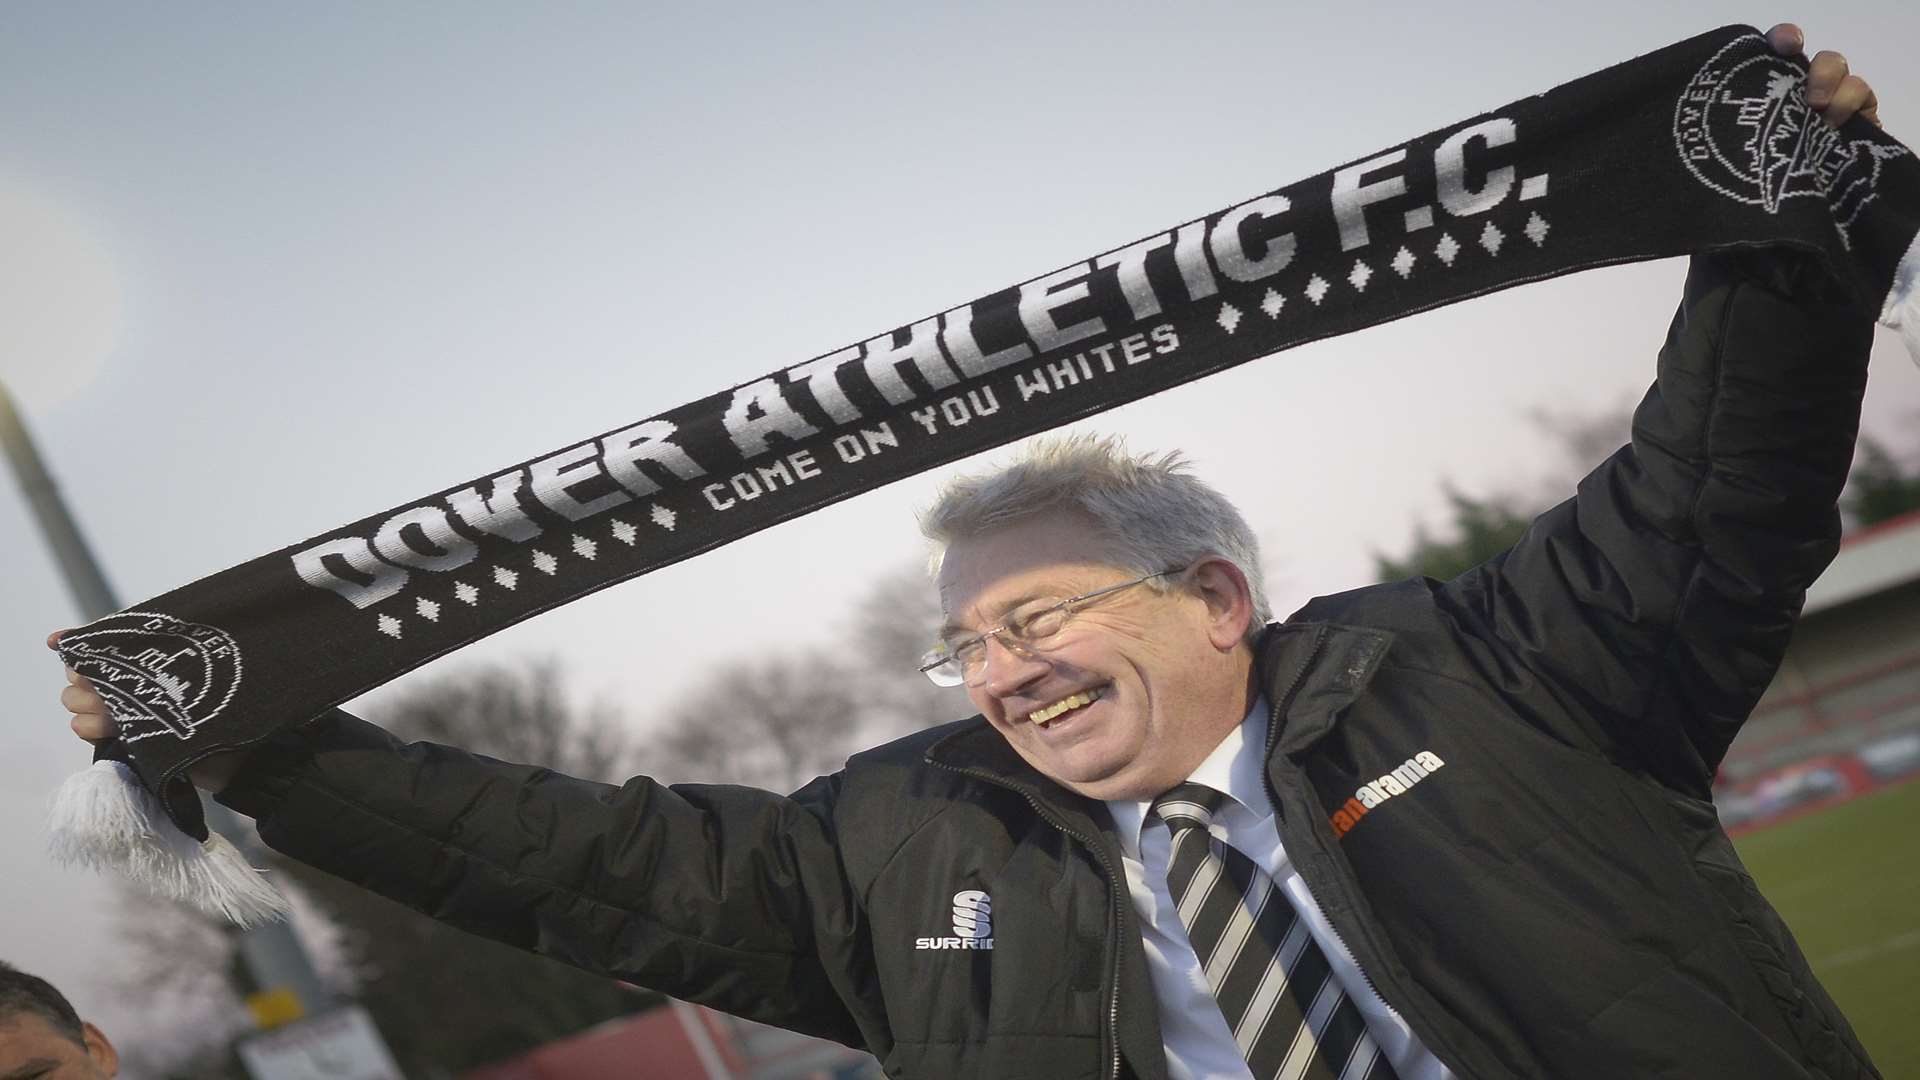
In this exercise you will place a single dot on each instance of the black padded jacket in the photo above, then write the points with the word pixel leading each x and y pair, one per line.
pixel 1546 892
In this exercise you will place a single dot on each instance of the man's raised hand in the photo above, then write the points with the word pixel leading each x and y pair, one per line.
pixel 94 722
pixel 1834 92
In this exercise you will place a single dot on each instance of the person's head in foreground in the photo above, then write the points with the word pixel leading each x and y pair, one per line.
pixel 42 1038
pixel 1100 609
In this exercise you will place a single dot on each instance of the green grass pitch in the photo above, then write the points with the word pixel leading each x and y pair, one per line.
pixel 1848 881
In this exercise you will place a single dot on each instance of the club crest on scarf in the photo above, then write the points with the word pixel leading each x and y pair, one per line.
pixel 159 674
pixel 1745 130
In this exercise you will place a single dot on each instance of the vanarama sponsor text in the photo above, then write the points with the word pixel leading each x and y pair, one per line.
pixel 1374 792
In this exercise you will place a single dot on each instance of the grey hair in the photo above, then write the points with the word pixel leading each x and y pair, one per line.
pixel 1150 511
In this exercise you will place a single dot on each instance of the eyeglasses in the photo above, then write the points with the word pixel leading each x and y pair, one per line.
pixel 966 662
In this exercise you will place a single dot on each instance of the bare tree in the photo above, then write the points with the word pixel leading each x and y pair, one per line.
pixel 772 722
pixel 894 624
pixel 176 964
pixel 522 713
pixel 182 967
pixel 777 721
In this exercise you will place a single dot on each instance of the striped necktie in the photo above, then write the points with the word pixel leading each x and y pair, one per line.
pixel 1272 983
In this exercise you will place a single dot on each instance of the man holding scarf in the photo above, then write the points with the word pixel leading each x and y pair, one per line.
pixel 1419 830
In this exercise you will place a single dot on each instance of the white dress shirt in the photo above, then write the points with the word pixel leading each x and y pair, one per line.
pixel 1199 1044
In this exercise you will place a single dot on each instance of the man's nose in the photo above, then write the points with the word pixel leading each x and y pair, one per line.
pixel 1006 668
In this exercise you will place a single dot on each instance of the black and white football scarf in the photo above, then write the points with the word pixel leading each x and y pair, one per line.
pixel 1708 144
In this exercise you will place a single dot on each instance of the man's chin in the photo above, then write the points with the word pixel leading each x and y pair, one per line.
pixel 1100 780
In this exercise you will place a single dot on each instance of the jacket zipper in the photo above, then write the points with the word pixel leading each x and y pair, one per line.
pixel 1273 739
pixel 1113 899
pixel 1339 886
pixel 1364 977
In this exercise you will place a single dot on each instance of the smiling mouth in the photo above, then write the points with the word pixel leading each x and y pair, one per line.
pixel 1046 716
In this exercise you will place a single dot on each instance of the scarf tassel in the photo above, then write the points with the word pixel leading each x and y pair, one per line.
pixel 104 819
pixel 1902 309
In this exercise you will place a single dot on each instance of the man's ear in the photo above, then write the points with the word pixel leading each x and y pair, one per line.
pixel 99 1050
pixel 1229 599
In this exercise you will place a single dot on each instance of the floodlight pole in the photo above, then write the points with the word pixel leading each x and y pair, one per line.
pixel 284 983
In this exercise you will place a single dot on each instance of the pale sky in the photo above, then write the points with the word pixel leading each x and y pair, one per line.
pixel 265 270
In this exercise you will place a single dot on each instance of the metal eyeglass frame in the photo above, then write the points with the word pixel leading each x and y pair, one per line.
pixel 1012 632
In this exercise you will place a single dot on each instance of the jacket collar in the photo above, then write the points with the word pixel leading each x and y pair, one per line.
pixel 1310 672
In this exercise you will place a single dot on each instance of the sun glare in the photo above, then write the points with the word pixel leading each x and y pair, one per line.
pixel 60 302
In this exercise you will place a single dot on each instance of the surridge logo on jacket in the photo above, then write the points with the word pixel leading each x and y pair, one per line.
pixel 1374 792
pixel 972 923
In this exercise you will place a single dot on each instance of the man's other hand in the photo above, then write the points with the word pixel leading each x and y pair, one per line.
pixel 94 722
pixel 1834 92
